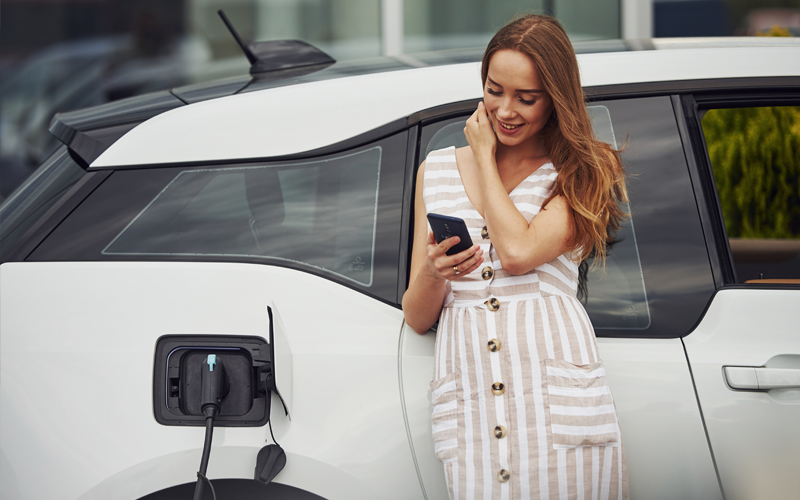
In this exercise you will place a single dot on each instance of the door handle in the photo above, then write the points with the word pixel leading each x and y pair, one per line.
pixel 757 378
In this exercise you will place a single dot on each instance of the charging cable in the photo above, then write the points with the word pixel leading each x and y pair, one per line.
pixel 212 378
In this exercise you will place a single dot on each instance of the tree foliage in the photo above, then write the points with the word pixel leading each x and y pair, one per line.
pixel 755 155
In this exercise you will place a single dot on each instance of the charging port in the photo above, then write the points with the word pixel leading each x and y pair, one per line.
pixel 177 388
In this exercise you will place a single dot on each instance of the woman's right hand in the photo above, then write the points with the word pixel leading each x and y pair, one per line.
pixel 431 267
pixel 451 267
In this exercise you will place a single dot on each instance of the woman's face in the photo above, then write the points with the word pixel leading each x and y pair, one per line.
pixel 515 98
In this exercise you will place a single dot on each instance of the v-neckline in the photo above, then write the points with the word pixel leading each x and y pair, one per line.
pixel 464 187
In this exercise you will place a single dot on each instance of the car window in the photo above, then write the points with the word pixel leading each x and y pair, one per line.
pixel 618 299
pixel 657 278
pixel 35 196
pixel 320 213
pixel 755 158
pixel 337 216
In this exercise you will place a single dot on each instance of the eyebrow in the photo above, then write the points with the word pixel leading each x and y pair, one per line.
pixel 521 91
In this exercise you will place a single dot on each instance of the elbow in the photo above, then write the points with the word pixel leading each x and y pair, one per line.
pixel 417 326
pixel 515 263
pixel 420 331
pixel 413 320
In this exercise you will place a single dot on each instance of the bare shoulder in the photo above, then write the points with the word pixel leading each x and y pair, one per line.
pixel 464 156
pixel 421 173
pixel 559 204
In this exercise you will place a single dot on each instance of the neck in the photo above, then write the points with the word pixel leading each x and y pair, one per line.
pixel 531 151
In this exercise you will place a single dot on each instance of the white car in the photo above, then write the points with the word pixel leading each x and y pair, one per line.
pixel 267 219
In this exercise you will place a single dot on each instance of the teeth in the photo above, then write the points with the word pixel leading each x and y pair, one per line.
pixel 508 127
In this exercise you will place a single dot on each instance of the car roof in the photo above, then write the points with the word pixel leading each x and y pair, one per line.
pixel 279 119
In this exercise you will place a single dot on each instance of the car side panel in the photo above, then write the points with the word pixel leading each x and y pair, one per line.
pixel 77 374
pixel 662 429
pixel 753 434
pixel 665 444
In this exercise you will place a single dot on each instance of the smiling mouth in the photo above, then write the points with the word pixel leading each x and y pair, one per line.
pixel 509 127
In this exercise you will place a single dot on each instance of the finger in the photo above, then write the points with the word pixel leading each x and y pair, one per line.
pixel 449 243
pixel 464 259
pixel 476 265
pixel 473 263
pixel 467 254
pixel 471 121
pixel 484 113
pixel 431 238
pixel 458 258
pixel 467 266
pixel 473 258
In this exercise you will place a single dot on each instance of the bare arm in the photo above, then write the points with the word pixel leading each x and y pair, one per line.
pixel 431 268
pixel 521 246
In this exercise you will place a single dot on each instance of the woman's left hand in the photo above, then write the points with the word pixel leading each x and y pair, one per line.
pixel 480 135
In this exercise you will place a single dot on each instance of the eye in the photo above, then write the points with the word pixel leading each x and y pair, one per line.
pixel 527 102
pixel 493 92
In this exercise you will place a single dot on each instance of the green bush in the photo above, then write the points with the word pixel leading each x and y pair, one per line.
pixel 755 154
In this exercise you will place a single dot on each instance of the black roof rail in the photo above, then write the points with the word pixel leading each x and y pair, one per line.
pixel 277 55
pixel 89 132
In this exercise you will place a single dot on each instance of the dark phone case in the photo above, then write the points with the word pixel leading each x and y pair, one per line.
pixel 444 227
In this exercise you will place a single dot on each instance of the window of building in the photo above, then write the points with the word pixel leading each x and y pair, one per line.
pixel 451 24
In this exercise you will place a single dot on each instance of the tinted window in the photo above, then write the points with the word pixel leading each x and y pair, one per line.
pixel 657 279
pixel 32 199
pixel 337 216
pixel 755 157
pixel 618 299
pixel 321 213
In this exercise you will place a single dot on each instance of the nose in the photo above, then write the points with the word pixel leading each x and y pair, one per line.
pixel 506 109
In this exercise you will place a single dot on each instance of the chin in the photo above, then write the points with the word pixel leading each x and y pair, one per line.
pixel 510 141
pixel 505 141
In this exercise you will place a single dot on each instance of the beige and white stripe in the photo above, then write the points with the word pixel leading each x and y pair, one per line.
pixel 560 434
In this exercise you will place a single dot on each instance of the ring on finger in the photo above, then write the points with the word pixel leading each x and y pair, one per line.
pixel 456 271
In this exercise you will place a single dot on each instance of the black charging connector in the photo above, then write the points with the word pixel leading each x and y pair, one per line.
pixel 212 380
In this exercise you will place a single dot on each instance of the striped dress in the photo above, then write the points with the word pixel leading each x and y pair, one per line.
pixel 521 406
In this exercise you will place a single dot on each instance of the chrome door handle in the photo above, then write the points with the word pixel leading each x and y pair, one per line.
pixel 756 378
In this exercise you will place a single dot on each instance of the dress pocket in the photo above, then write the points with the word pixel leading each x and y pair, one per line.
pixel 582 412
pixel 445 418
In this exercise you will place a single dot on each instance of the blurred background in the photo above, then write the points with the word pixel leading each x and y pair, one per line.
pixel 61 55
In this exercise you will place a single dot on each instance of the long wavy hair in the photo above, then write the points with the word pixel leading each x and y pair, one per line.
pixel 590 175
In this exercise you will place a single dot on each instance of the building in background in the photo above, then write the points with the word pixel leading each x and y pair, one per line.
pixel 59 55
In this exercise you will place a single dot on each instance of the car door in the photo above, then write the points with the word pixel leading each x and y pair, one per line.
pixel 745 353
pixel 655 287
pixel 202 250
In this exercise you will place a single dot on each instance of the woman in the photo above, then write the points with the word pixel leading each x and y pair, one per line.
pixel 521 408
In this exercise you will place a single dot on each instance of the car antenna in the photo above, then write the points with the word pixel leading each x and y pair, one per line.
pixel 247 52
pixel 277 55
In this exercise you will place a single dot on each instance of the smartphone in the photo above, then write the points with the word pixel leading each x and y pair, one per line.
pixel 444 227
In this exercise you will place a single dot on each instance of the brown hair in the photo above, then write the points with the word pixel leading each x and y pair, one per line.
pixel 590 175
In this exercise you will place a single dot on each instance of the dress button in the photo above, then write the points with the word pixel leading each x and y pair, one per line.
pixel 499 432
pixel 484 232
pixel 487 273
pixel 503 476
pixel 498 388
pixel 493 304
pixel 494 345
